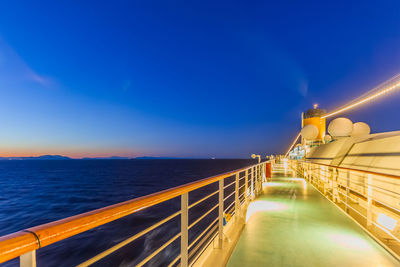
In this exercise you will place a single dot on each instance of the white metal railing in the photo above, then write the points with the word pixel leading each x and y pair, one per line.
pixel 25 243
pixel 372 199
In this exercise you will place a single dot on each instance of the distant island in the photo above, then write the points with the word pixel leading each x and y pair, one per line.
pixel 43 157
pixel 156 158
pixel 59 157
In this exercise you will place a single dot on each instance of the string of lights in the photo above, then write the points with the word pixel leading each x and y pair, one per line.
pixel 294 142
pixel 389 86
pixel 383 89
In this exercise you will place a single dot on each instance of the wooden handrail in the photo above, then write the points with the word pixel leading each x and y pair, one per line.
pixel 357 170
pixel 16 244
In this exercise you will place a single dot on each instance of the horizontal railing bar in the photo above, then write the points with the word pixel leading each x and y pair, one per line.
pixel 201 200
pixel 204 215
pixel 355 200
pixel 126 241
pixel 383 228
pixel 372 186
pixel 174 261
pixel 226 186
pixel 374 199
pixel 387 205
pixel 143 262
pixel 363 216
pixel 231 194
pixel 365 185
pixel 376 187
pixel 16 244
pixel 358 170
pixel 205 247
pixel 202 233
pixel 242 186
pixel 230 205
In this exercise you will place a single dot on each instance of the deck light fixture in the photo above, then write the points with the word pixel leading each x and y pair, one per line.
pixel 256 156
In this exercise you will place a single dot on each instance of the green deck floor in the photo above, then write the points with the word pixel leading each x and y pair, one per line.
pixel 292 224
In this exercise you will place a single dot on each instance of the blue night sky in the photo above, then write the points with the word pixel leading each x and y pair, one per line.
pixel 187 78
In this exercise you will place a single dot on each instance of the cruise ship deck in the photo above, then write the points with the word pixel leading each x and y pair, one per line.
pixel 293 224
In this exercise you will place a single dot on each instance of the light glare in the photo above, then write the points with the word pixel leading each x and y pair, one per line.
pixel 350 241
pixel 386 221
pixel 263 206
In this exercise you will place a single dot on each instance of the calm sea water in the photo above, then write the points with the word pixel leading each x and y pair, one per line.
pixel 37 192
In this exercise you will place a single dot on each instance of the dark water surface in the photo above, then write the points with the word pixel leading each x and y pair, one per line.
pixel 37 192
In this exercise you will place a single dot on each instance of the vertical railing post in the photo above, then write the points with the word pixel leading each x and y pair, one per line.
pixel 322 177
pixel 255 180
pixel 264 171
pixel 347 191
pixel 184 229
pixel 369 198
pixel 246 187
pixel 263 174
pixel 220 213
pixel 335 185
pixel 308 168
pixel 326 179
pixel 259 178
pixel 312 175
pixel 332 184
pixel 293 165
pixel 28 259
pixel 285 165
pixel 252 183
pixel 237 202
pixel 298 168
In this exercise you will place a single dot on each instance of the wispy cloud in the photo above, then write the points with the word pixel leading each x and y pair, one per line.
pixel 126 85
pixel 40 79
pixel 13 68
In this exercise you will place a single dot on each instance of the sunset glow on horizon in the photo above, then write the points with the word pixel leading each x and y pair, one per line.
pixel 68 152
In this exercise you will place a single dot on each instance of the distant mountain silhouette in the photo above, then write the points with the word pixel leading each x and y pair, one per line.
pixel 43 157
pixel 59 157
pixel 156 158
pixel 112 157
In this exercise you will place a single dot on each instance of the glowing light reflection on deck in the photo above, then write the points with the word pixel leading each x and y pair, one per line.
pixel 386 221
pixel 275 184
pixel 263 206
pixel 349 241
